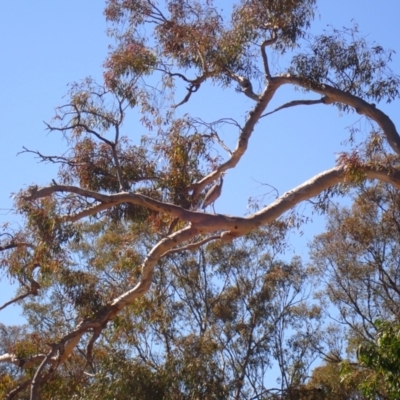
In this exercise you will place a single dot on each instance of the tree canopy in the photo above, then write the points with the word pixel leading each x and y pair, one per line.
pixel 130 289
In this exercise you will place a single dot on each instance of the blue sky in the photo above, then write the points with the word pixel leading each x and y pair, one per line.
pixel 46 44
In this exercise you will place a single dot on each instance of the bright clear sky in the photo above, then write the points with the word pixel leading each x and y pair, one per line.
pixel 46 44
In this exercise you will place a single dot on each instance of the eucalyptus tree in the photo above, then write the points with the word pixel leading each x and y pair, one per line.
pixel 356 262
pixel 165 54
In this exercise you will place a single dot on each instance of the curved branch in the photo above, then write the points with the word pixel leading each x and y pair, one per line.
pixel 244 137
pixel 68 343
pixel 333 95
pixel 89 349
pixel 193 88
pixel 190 89
pixel 108 201
pixel 34 291
pixel 266 43
pixel 151 260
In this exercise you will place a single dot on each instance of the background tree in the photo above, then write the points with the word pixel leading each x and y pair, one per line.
pixel 357 260
pixel 141 199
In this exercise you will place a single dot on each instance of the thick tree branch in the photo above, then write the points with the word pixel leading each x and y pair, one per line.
pixel 333 95
pixel 215 222
pixel 24 363
pixel 241 147
pixel 153 257
pixel 108 201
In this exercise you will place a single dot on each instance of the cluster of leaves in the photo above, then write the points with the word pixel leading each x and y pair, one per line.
pixel 348 62
pixel 382 359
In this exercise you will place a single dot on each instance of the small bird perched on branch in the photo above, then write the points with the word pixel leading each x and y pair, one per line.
pixel 213 194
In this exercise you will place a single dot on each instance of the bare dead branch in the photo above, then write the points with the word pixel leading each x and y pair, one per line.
pixel 293 104
pixel 191 89
pixel 221 143
pixel 33 291
pixel 52 159
pixel 212 126
pixel 215 136
pixel 80 125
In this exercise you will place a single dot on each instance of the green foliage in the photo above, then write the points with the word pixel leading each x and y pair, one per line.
pixel 357 260
pixel 382 358
pixel 348 62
